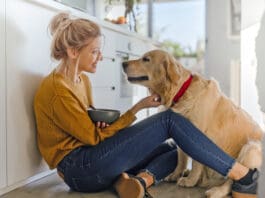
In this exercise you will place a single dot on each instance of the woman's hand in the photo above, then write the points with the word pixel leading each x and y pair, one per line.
pixel 147 102
pixel 102 125
pixel 150 101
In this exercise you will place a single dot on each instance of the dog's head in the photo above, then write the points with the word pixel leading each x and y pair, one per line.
pixel 158 71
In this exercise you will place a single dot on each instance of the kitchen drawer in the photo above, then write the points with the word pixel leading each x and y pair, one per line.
pixel 130 45
pixel 105 97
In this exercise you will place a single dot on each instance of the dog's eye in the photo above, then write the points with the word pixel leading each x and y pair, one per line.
pixel 145 59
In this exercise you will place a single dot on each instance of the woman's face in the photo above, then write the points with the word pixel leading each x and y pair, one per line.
pixel 89 56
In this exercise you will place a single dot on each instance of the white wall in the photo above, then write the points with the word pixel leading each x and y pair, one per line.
pixel 2 98
pixel 253 65
pixel 260 47
pixel 251 16
pixel 221 48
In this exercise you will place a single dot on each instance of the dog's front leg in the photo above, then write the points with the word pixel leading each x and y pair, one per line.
pixel 194 176
pixel 181 167
pixel 220 191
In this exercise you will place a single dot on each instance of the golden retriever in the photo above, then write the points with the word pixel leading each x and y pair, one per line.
pixel 226 124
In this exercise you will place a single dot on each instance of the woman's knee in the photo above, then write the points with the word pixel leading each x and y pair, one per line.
pixel 170 115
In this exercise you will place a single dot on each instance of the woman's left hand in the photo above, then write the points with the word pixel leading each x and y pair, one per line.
pixel 102 125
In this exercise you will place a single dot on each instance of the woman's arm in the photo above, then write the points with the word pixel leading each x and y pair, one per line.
pixel 127 118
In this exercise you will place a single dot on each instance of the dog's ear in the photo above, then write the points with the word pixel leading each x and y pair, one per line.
pixel 172 69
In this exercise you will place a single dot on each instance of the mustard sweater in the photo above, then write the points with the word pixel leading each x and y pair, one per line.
pixel 62 121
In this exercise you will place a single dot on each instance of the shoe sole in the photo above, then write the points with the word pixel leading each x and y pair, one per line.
pixel 127 187
pixel 242 195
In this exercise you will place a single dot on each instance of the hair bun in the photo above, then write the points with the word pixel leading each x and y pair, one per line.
pixel 59 20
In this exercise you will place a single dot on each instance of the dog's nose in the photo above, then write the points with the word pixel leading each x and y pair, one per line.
pixel 125 65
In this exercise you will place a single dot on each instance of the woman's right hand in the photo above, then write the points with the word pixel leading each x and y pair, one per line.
pixel 147 102
pixel 102 125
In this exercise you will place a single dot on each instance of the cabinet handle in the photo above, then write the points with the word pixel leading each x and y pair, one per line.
pixel 113 88
pixel 110 58
pixel 130 46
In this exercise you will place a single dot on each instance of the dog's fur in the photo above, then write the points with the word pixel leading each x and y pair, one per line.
pixel 226 124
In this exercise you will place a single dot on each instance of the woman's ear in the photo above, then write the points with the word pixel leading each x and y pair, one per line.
pixel 72 53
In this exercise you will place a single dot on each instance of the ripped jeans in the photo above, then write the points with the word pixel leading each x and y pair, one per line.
pixel 141 147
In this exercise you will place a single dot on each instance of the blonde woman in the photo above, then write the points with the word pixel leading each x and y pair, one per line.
pixel 93 156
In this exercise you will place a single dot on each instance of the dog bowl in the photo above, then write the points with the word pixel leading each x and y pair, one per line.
pixel 103 115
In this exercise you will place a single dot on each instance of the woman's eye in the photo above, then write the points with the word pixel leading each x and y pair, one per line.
pixel 95 52
pixel 145 59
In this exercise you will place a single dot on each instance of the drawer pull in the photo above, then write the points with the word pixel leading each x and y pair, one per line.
pixel 110 58
pixel 129 46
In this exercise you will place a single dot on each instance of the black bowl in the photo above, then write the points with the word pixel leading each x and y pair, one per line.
pixel 103 115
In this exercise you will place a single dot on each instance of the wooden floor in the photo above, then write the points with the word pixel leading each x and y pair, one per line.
pixel 53 187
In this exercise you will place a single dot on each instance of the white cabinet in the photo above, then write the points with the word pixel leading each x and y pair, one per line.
pixel 105 97
pixel 110 86
pixel 107 68
pixel 133 48
pixel 2 98
pixel 104 81
pixel 105 85
pixel 109 40
pixel 131 45
pixel 27 61
pixel 105 75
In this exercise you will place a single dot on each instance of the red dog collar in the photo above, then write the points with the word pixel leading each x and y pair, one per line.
pixel 182 90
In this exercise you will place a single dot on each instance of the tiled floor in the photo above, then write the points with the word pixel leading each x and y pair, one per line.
pixel 53 187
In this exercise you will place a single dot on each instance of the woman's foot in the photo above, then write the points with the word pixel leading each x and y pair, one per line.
pixel 129 187
pixel 246 187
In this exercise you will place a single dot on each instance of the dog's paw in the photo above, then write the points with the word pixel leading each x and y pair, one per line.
pixel 215 192
pixel 186 182
pixel 173 177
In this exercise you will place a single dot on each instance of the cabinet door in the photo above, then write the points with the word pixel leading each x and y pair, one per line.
pixel 106 74
pixel 131 45
pixel 105 97
pixel 3 97
pixel 27 62
pixel 109 43
pixel 105 84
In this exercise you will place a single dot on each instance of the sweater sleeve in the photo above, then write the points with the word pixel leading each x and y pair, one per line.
pixel 72 118
pixel 125 120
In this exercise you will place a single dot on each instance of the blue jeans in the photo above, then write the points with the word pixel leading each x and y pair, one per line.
pixel 141 147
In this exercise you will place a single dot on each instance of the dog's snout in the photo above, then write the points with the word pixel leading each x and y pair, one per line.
pixel 125 65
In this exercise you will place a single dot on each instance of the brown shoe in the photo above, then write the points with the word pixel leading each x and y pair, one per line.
pixel 129 187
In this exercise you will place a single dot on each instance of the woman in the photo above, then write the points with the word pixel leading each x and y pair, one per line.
pixel 93 156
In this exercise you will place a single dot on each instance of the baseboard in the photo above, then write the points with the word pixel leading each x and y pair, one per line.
pixel 26 181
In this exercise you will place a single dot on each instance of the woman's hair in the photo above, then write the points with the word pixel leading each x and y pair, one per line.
pixel 70 32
